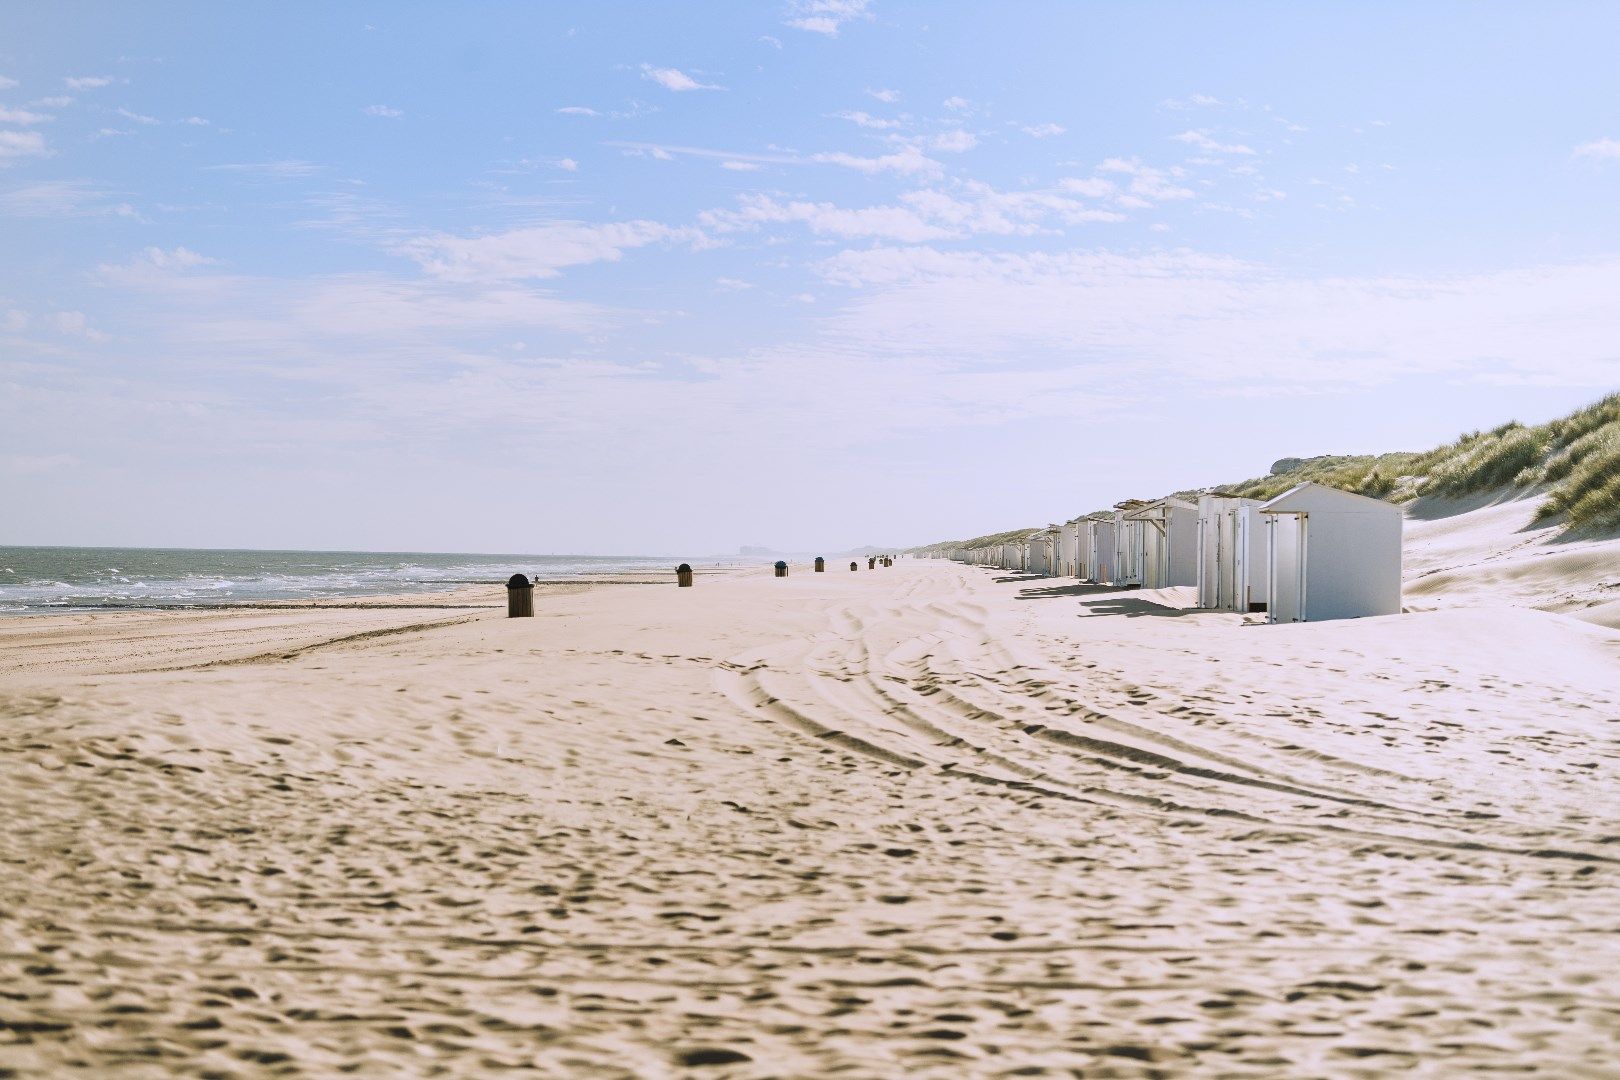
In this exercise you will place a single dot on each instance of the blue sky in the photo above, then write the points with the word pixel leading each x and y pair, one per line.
pixel 622 278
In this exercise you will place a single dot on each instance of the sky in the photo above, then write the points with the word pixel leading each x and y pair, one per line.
pixel 669 279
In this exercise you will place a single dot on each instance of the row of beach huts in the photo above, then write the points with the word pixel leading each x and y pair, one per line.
pixel 1312 553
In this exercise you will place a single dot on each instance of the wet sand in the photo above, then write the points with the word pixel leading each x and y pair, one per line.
pixel 928 821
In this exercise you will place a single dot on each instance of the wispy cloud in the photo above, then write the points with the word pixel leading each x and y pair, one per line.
pixel 63 198
pixel 888 97
pixel 740 166
pixel 954 142
pixel 15 145
pixel 908 161
pixel 1203 141
pixel 884 222
pixel 289 168
pixel 666 152
pixel 540 251
pixel 674 79
pixel 88 82
pixel 867 120
pixel 1148 184
pixel 135 117
pixel 383 110
pixel 23 116
pixel 827 16
pixel 1600 149
pixel 578 110
pixel 7 83
pixel 1194 101
pixel 1043 131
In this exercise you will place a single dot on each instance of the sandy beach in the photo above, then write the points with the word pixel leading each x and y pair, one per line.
pixel 920 821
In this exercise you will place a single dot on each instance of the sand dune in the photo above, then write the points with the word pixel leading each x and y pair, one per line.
pixel 923 821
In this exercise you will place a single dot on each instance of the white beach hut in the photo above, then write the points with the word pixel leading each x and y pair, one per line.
pixel 1221 557
pixel 1169 543
pixel 1067 548
pixel 1039 546
pixel 1128 552
pixel 1331 554
pixel 1097 548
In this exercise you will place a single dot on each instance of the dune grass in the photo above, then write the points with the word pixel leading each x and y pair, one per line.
pixel 1575 459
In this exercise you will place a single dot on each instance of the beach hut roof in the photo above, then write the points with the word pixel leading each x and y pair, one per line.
pixel 1313 496
pixel 1156 508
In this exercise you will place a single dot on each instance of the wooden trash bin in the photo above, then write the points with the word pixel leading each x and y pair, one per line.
pixel 519 597
pixel 821 565
pixel 683 575
pixel 871 564
pixel 854 566
pixel 781 568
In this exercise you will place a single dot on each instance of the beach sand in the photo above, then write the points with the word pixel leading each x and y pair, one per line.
pixel 923 821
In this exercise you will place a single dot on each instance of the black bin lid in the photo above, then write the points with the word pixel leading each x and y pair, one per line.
pixel 684 568
pixel 780 565
pixel 517 581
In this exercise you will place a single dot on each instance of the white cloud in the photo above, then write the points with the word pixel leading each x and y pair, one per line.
pixel 56 101
pixel 773 42
pixel 539 251
pixel 731 284
pixel 827 16
pixel 578 110
pixel 1094 187
pixel 382 110
pixel 62 198
pixel 1202 140
pixel 665 152
pixel 76 324
pixel 972 208
pixel 888 97
pixel 21 144
pixel 15 321
pixel 908 161
pixel 867 120
pixel 1182 316
pixel 1200 101
pixel 1147 182
pixel 805 298
pixel 87 82
pixel 885 222
pixel 1601 149
pixel 136 117
pixel 674 79
pixel 567 164
pixel 197 121
pixel 954 142
pixel 8 83
pixel 956 104
pixel 1043 131
pixel 23 116
pixel 740 166
pixel 291 168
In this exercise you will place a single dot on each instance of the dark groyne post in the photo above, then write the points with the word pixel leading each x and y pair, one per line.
pixel 781 568
pixel 871 563
pixel 821 565
pixel 854 566
pixel 519 597
pixel 683 575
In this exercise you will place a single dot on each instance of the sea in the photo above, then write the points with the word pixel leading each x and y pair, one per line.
pixel 44 580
